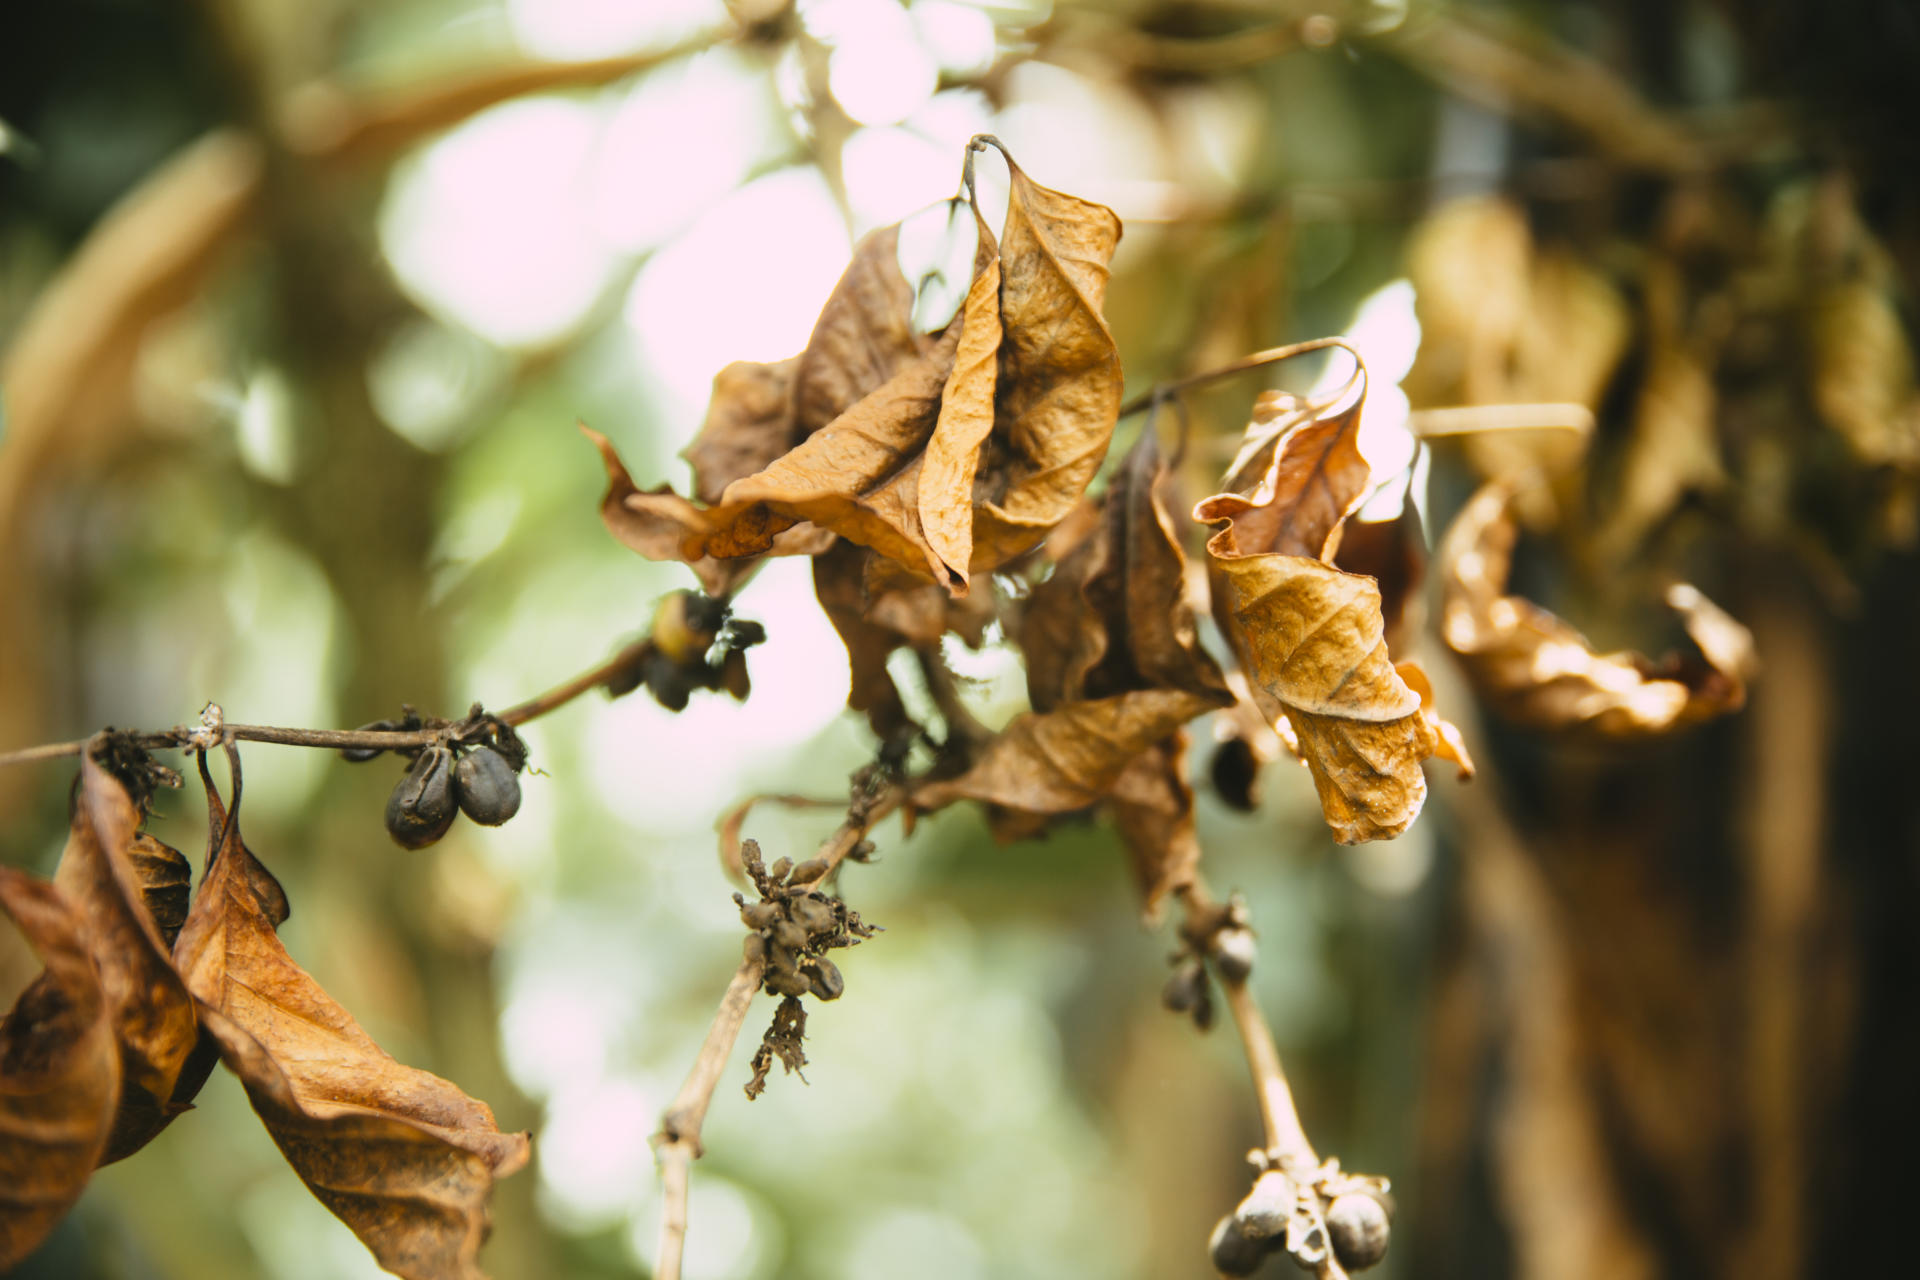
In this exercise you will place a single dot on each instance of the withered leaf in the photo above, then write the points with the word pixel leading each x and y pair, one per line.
pixel 749 424
pixel 1311 637
pixel 1152 806
pixel 403 1157
pixel 147 1004
pixel 1394 554
pixel 1114 668
pixel 59 1071
pixel 1863 372
pixel 1535 669
pixel 1114 616
pixel 956 453
pixel 1060 380
pixel 640 520
pixel 1066 759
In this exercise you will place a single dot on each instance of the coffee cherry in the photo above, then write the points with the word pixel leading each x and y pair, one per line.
pixel 778 871
pixel 1184 988
pixel 789 935
pixel 422 806
pixel 487 785
pixel 1263 1215
pixel 753 948
pixel 812 914
pixel 809 871
pixel 788 982
pixel 1233 951
pixel 1232 1253
pixel 1235 771
pixel 1359 1227
pixel 827 982
pixel 759 915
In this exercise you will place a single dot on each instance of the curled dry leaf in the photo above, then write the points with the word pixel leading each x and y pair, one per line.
pixel 1863 373
pixel 948 455
pixel 1394 554
pixel 1114 670
pixel 1311 637
pixel 1536 670
pixel 403 1157
pixel 147 1004
pixel 59 1071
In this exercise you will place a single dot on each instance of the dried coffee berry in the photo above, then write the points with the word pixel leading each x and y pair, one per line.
pixel 422 805
pixel 1235 770
pixel 809 871
pixel 1264 1213
pixel 1358 1225
pixel 778 871
pixel 827 982
pixel 1184 988
pixel 1232 1253
pixel 788 982
pixel 789 935
pixel 759 915
pixel 1233 950
pixel 360 755
pixel 812 914
pixel 487 785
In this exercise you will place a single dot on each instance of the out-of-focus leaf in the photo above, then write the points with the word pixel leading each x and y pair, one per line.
pixel 1536 670
pixel 1863 377
pixel 147 1004
pixel 59 1071
pixel 864 336
pixel 1059 389
pixel 1673 450
pixel 1310 637
pixel 403 1157
pixel 1506 321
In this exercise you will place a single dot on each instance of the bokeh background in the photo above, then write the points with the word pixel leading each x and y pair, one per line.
pixel 301 301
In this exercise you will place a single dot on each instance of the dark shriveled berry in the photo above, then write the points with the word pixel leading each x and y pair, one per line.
pixel 487 785
pixel 788 982
pixel 422 806
pixel 827 982
pixel 1233 950
pixel 1184 988
pixel 1231 1252
pixel 1358 1225
pixel 1268 1207
pixel 812 914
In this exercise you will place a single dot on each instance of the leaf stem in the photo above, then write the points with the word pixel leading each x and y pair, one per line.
pixel 1272 355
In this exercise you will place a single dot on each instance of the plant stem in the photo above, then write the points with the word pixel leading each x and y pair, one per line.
pixel 1273 355
pixel 678 1142
pixel 335 739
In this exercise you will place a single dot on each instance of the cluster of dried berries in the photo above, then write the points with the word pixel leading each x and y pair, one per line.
pixel 1327 1221
pixel 694 642
pixel 474 770
pixel 1221 935
pixel 794 926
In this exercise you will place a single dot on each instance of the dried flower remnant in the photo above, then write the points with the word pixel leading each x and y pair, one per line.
pixel 1535 669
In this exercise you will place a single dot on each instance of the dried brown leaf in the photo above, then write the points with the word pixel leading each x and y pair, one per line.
pixel 1152 806
pixel 1673 450
pixel 1059 390
pixel 147 1004
pixel 749 424
pixel 1535 669
pixel 864 336
pixel 59 1071
pixel 1394 554
pixel 403 1157
pixel 1114 615
pixel 1312 638
pixel 1863 373
pixel 1066 759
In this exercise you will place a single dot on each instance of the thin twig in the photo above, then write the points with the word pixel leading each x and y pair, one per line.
pixel 1286 1141
pixel 677 1145
pixel 1472 419
pixel 678 1142
pixel 1273 355
pixel 335 739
